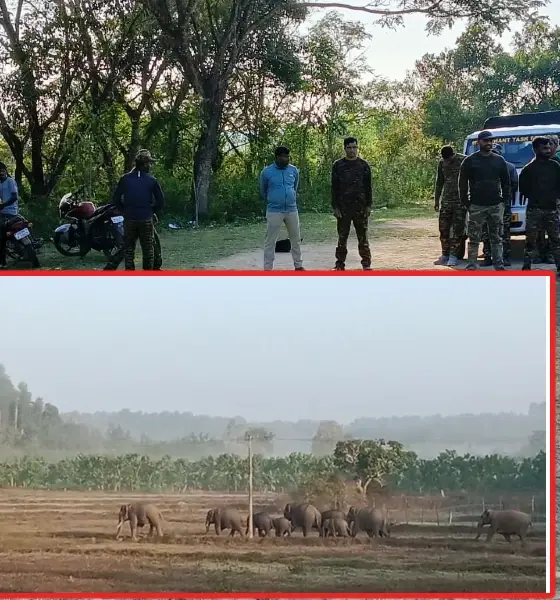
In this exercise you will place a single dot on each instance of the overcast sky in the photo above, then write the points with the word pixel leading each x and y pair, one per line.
pixel 392 53
pixel 279 348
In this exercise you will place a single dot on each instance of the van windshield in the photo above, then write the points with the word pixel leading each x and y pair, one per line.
pixel 516 149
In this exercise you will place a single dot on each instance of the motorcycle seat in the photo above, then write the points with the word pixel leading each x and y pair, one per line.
pixel 13 220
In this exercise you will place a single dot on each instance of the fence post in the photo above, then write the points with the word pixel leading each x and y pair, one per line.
pixel 483 505
pixel 450 516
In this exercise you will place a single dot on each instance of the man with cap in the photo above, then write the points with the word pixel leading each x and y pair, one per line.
pixel 484 186
pixel 139 195
pixel 452 214
pixel 506 232
pixel 8 207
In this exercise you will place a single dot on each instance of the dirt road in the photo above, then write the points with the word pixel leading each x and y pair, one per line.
pixel 411 244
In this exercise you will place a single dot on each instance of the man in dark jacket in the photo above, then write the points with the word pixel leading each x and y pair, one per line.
pixel 352 201
pixel 483 187
pixel 139 196
pixel 539 182
pixel 506 232
pixel 544 255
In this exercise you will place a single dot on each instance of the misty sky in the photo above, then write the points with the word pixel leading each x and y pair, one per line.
pixel 391 53
pixel 279 348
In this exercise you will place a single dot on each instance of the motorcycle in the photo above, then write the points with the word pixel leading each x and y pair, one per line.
pixel 89 227
pixel 20 242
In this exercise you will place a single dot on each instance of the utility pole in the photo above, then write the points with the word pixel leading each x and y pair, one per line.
pixel 250 452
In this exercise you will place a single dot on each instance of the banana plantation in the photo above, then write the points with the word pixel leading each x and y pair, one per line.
pixel 229 473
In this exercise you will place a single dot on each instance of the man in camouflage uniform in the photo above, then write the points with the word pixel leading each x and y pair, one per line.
pixel 352 201
pixel 483 187
pixel 539 182
pixel 506 232
pixel 452 214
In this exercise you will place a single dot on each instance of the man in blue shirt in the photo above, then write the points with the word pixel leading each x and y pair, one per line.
pixel 139 196
pixel 278 187
pixel 8 207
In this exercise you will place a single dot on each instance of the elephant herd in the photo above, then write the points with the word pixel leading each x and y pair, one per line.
pixel 329 523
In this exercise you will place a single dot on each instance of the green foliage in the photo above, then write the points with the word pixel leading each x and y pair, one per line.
pixel 228 472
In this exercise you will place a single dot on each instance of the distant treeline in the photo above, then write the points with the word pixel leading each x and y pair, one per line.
pixel 34 427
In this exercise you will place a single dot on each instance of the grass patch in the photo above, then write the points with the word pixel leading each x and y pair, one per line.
pixel 193 248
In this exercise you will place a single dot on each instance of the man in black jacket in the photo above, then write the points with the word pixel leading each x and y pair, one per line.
pixel 139 196
pixel 484 184
pixel 539 182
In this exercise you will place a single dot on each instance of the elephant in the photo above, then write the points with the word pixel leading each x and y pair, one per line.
pixel 506 522
pixel 282 526
pixel 332 513
pixel 305 516
pixel 225 518
pixel 140 514
pixel 336 527
pixel 371 520
pixel 262 522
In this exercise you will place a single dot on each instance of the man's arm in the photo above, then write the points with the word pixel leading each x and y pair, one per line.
pixel 505 181
pixel 13 195
pixel 117 194
pixel 334 186
pixel 263 185
pixel 514 181
pixel 296 181
pixel 439 183
pixel 159 199
pixel 463 182
pixel 368 184
pixel 524 182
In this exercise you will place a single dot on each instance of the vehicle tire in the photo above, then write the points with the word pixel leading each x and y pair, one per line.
pixel 31 256
pixel 62 247
pixel 118 244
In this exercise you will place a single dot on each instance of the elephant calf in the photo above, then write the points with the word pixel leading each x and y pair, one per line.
pixel 225 518
pixel 262 522
pixel 336 527
pixel 506 522
pixel 282 526
pixel 140 514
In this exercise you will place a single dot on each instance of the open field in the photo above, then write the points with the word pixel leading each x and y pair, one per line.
pixel 400 239
pixel 65 542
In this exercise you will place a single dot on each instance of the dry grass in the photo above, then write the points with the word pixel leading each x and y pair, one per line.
pixel 65 542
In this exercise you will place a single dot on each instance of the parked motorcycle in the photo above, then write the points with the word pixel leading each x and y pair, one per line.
pixel 20 242
pixel 99 228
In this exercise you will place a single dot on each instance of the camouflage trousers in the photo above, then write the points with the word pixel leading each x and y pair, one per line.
pixel 506 235
pixel 114 262
pixel 143 231
pixel 452 226
pixel 359 219
pixel 493 217
pixel 545 221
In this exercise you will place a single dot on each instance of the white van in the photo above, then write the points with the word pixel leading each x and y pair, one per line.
pixel 516 143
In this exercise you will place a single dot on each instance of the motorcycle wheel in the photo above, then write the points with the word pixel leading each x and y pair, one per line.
pixel 118 244
pixel 62 246
pixel 20 251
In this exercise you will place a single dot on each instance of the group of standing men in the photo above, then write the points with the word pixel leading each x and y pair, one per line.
pixel 351 201
pixel 474 195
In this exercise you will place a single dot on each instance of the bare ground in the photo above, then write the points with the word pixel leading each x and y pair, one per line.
pixel 64 542
pixel 407 244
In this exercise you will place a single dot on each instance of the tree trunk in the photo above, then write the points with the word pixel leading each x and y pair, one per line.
pixel 207 150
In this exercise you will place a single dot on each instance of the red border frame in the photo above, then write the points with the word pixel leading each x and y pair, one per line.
pixel 376 273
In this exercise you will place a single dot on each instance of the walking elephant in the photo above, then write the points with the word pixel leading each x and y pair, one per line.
pixel 371 520
pixel 332 513
pixel 282 526
pixel 505 522
pixel 305 516
pixel 225 518
pixel 336 527
pixel 140 514
pixel 262 522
